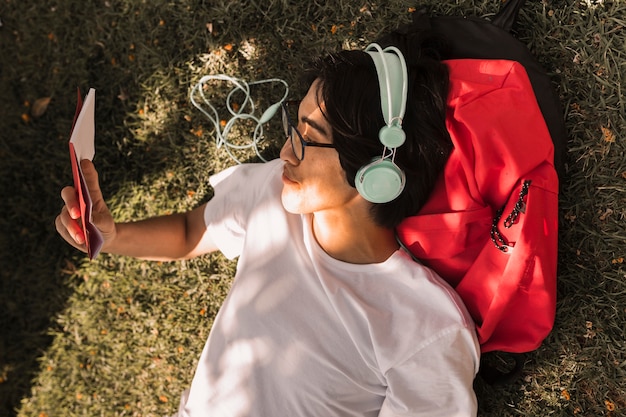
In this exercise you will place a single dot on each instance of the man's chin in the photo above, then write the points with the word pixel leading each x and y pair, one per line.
pixel 289 204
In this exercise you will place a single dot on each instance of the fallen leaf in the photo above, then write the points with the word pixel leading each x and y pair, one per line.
pixel 608 134
pixel 40 106
pixel 606 214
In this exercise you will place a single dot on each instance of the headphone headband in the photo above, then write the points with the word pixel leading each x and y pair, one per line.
pixel 393 83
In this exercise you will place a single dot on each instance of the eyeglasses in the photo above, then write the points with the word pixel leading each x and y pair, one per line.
pixel 297 145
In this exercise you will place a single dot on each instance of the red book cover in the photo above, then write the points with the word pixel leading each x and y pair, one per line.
pixel 82 147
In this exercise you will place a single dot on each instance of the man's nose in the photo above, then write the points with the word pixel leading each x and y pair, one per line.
pixel 286 153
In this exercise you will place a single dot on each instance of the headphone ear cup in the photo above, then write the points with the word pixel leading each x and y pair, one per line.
pixel 380 181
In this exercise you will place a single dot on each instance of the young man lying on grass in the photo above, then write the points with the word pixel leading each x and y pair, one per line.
pixel 327 315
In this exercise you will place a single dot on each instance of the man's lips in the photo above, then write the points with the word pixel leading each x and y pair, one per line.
pixel 287 178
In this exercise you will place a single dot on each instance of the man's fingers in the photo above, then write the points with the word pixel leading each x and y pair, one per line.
pixel 68 223
pixel 68 194
pixel 70 229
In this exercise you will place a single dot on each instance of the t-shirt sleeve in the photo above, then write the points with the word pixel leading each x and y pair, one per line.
pixel 437 380
pixel 238 190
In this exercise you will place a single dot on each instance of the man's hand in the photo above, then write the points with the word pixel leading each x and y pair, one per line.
pixel 68 222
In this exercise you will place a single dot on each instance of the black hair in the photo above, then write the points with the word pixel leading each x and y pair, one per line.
pixel 350 92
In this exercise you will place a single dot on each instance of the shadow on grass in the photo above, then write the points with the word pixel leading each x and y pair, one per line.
pixel 33 288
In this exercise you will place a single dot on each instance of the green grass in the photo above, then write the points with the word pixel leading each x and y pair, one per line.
pixel 119 337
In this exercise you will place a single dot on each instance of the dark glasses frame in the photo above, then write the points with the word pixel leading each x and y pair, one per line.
pixel 297 147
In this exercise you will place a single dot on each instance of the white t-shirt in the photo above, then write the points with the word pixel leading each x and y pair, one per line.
pixel 303 334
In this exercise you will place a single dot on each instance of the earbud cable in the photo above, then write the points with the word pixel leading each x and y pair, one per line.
pixel 240 113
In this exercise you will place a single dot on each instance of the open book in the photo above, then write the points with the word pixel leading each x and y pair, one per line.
pixel 82 147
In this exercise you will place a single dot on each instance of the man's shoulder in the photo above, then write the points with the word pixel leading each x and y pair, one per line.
pixel 248 172
pixel 435 293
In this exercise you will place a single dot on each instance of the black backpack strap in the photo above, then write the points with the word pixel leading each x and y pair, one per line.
pixel 417 39
pixel 506 17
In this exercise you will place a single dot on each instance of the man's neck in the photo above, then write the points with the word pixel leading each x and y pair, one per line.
pixel 353 238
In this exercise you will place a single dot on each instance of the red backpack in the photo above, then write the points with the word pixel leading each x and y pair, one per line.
pixel 490 227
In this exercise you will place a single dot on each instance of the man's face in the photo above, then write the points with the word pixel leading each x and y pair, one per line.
pixel 317 183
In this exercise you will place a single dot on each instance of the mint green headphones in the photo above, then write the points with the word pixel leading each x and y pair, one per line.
pixel 381 181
